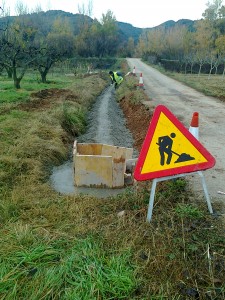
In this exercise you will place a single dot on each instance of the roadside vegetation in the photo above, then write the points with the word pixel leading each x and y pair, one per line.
pixel 210 86
pixel 79 247
pixel 215 86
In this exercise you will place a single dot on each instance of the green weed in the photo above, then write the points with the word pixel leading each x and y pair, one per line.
pixel 74 119
pixel 172 189
pixel 188 211
pixel 13 96
pixel 82 271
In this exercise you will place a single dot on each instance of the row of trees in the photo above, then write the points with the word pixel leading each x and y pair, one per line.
pixel 22 46
pixel 185 48
pixel 25 42
pixel 30 40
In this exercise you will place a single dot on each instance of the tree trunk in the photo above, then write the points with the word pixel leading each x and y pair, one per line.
pixel 17 83
pixel 43 77
pixel 44 73
pixel 210 72
pixel 185 68
pixel 192 64
pixel 16 79
pixel 200 68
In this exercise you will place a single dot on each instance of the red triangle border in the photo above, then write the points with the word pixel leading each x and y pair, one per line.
pixel 173 171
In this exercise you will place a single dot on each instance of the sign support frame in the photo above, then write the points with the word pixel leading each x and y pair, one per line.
pixel 154 183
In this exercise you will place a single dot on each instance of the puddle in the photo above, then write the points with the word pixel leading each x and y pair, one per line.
pixel 62 180
pixel 106 124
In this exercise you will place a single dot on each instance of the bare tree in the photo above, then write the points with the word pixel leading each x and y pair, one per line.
pixel 37 8
pixel 86 9
pixel 4 10
pixel 21 8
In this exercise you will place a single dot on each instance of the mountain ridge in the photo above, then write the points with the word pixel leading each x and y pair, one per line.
pixel 126 30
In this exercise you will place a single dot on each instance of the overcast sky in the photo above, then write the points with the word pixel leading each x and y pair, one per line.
pixel 139 13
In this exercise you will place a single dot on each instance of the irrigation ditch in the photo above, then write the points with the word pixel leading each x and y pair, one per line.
pixel 106 124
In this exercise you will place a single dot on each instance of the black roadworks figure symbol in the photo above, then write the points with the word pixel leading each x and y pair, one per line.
pixel 165 148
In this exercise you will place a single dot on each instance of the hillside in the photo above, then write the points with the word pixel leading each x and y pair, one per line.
pixel 182 22
pixel 126 30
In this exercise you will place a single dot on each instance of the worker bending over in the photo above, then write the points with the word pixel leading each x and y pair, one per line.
pixel 116 78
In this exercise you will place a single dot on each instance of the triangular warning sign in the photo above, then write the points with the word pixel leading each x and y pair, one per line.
pixel 170 149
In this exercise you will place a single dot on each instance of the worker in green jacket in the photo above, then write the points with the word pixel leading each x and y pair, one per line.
pixel 116 78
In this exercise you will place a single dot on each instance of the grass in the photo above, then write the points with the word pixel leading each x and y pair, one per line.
pixel 213 85
pixel 74 119
pixel 81 269
pixel 55 246
pixel 29 84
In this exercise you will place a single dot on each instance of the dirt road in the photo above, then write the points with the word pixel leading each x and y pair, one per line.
pixel 183 101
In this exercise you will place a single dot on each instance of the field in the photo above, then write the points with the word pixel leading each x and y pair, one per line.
pixel 213 85
pixel 79 247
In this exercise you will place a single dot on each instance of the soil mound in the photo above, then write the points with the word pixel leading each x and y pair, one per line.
pixel 138 117
pixel 45 98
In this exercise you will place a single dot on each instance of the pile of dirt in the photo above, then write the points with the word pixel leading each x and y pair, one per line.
pixel 138 118
pixel 45 98
pixel 48 93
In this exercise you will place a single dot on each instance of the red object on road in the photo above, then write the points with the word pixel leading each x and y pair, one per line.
pixel 141 82
pixel 194 127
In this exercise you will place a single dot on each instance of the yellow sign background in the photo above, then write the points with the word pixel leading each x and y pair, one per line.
pixel 180 145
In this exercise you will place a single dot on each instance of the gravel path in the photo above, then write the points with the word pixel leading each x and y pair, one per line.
pixel 106 122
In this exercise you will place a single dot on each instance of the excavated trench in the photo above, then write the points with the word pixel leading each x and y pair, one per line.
pixel 106 125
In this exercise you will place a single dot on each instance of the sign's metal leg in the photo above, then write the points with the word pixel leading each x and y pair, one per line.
pixel 151 200
pixel 206 192
pixel 154 182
